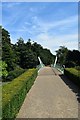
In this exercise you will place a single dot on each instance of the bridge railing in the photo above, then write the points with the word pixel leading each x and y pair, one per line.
pixel 38 67
pixel 59 67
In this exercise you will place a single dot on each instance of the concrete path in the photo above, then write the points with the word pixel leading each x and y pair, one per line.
pixel 50 97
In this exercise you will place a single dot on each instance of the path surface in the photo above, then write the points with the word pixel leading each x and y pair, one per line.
pixel 49 97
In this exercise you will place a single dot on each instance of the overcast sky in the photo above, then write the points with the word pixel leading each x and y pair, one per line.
pixel 49 24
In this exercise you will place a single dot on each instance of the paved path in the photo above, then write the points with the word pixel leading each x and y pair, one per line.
pixel 49 97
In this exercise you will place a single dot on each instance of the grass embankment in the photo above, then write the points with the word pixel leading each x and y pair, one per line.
pixel 15 92
pixel 73 74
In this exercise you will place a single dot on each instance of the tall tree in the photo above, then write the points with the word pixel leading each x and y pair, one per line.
pixel 7 52
pixel 26 57
pixel 23 54
pixel 61 54
pixel 46 56
pixel 0 42
pixel 73 58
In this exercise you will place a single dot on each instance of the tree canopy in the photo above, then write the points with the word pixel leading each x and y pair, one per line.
pixel 23 54
pixel 67 57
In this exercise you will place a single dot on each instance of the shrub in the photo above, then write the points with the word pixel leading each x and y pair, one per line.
pixel 13 74
pixel 70 64
pixel 77 67
pixel 73 74
pixel 15 92
pixel 4 69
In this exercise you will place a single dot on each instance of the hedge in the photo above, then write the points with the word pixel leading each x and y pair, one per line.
pixel 15 92
pixel 73 74
pixel 15 73
pixel 0 101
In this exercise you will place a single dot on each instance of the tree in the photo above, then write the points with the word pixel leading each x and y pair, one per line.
pixel 46 56
pixel 73 58
pixel 61 54
pixel 67 57
pixel 7 53
pixel 28 44
pixel 26 57
pixel 29 59
pixel 23 54
pixel 0 42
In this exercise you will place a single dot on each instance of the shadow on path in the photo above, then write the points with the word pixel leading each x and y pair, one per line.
pixel 72 86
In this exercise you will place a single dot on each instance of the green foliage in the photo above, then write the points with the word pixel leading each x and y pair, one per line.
pixel 23 54
pixel 46 56
pixel 15 92
pixel 4 69
pixel 73 74
pixel 73 58
pixel 67 57
pixel 28 53
pixel 77 67
pixel 8 54
pixel 13 74
pixel 61 54
pixel 26 57
pixel 0 42
pixel 0 68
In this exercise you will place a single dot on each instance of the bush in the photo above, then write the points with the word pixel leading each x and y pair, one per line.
pixel 70 64
pixel 15 92
pixel 4 69
pixel 73 74
pixel 77 67
pixel 13 74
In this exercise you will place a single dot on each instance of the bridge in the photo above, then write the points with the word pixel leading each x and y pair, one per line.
pixel 51 96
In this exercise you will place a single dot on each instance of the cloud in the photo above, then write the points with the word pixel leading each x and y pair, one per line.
pixel 10 5
pixel 45 27
pixel 40 33
pixel 13 14
pixel 27 23
pixel 36 26
pixel 32 20
pixel 70 41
